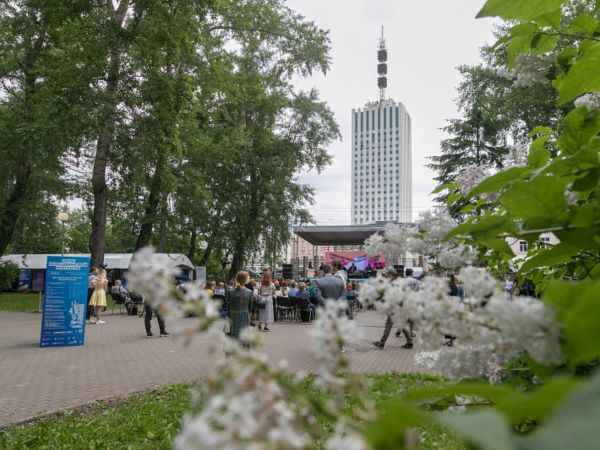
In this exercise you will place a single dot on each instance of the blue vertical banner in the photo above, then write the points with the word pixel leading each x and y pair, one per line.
pixel 65 300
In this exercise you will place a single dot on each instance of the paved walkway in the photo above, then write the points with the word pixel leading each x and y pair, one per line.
pixel 118 359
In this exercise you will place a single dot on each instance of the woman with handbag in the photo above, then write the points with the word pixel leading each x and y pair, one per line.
pixel 239 302
pixel 266 291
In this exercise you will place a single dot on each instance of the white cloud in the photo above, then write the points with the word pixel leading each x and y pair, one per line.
pixel 426 40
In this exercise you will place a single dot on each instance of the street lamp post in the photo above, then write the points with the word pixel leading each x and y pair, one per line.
pixel 63 218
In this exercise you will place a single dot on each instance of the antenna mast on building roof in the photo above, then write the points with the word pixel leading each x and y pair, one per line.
pixel 382 67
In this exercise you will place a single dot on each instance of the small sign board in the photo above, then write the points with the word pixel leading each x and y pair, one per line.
pixel 65 300
pixel 37 284
pixel 201 275
pixel 24 280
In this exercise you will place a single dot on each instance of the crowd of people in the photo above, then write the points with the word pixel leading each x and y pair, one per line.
pixel 254 301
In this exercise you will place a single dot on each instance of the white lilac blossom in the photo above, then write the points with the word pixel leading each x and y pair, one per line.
pixel 516 156
pixel 394 243
pixel 503 72
pixel 532 69
pixel 590 101
pixel 470 176
pixel 452 257
pixel 433 228
pixel 478 282
pixel 426 238
pixel 373 290
pixel 436 224
pixel 330 333
pixel 387 297
pixel 251 412
pixel 570 197
pixel 487 337
pixel 151 276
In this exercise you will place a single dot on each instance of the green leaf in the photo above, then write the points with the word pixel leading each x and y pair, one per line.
pixel 582 77
pixel 583 24
pixel 538 156
pixel 443 187
pixel 540 198
pixel 574 123
pixel 544 43
pixel 540 131
pixel 578 310
pixel 519 9
pixel 453 198
pixel 566 56
pixel 551 19
pixel 557 254
pixel 574 425
pixel 588 181
pixel 499 180
pixel 467 208
pixel 584 216
pixel 517 405
pixel 521 39
pixel 500 245
pixel 595 273
pixel 485 428
pixel 486 226
pixel 584 238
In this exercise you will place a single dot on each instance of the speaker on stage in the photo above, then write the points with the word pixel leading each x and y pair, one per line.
pixel 287 271
pixel 399 269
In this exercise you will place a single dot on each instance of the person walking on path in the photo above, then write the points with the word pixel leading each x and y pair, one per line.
pixel 91 278
pixel 98 299
pixel 266 291
pixel 148 318
pixel 389 323
pixel 239 302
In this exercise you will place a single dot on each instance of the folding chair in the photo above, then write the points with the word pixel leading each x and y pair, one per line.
pixel 117 300
pixel 302 305
pixel 284 307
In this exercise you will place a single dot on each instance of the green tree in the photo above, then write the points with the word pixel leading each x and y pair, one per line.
pixel 41 115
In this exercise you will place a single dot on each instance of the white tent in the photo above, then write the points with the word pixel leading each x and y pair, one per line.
pixel 113 260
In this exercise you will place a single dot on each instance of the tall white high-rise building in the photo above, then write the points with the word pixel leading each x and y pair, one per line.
pixel 381 157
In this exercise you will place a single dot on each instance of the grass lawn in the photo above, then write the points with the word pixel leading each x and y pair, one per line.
pixel 12 301
pixel 151 420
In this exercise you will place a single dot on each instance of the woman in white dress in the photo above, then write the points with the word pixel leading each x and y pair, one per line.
pixel 266 291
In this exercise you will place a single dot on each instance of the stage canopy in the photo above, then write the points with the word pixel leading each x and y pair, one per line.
pixel 338 234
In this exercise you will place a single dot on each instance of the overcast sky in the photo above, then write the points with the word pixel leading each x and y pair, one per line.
pixel 426 41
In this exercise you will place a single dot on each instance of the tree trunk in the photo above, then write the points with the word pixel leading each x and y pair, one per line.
pixel 148 221
pixel 13 206
pixel 192 247
pixel 99 187
pixel 105 138
pixel 237 262
pixel 162 231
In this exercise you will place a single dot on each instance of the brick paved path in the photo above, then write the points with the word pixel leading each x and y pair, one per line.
pixel 118 359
